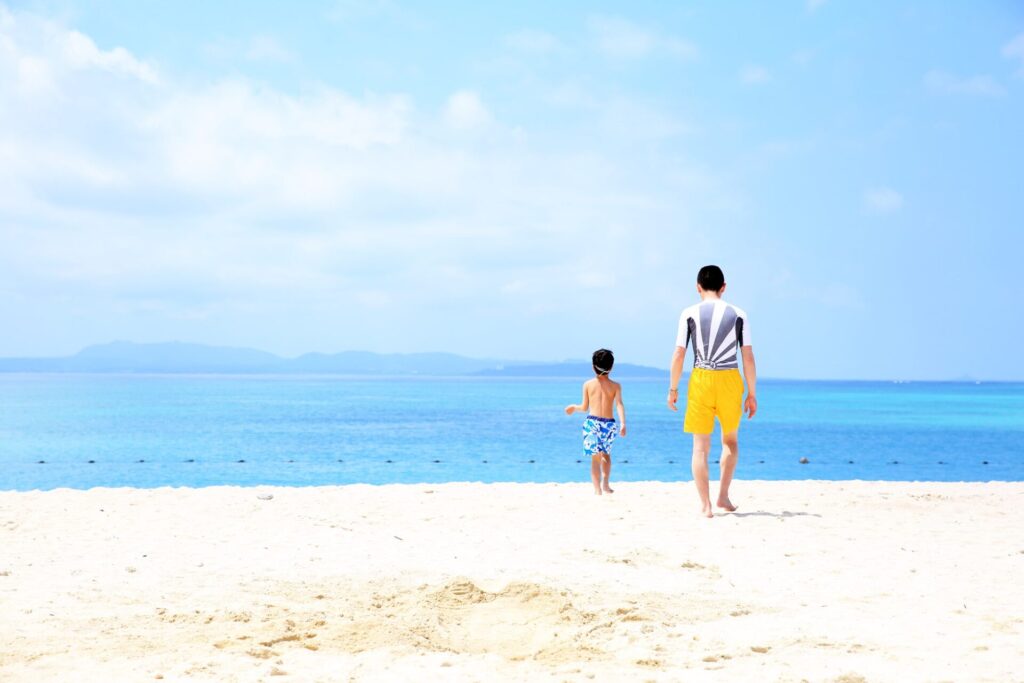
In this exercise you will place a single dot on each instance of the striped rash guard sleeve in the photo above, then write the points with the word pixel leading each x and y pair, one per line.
pixel 683 335
pixel 743 329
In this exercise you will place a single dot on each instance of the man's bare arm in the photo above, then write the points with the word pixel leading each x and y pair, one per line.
pixel 676 371
pixel 750 375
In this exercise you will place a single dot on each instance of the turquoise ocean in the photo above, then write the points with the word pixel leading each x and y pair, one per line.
pixel 81 431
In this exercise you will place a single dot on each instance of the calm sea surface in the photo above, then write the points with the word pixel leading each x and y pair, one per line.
pixel 147 431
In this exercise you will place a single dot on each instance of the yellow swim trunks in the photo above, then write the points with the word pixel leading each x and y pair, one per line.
pixel 713 393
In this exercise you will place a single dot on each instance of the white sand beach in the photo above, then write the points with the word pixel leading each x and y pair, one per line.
pixel 809 581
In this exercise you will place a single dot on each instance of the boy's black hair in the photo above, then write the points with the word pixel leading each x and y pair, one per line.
pixel 603 361
pixel 711 278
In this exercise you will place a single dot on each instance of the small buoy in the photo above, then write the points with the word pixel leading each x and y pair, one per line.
pixel 41 462
pixel 389 461
pixel 849 462
pixel 895 462
pixel 671 462
pixel 804 461
pixel 761 461
pixel 715 461
pixel 241 461
pixel 484 461
pixel 984 462
pixel 140 460
pixel 91 462
pixel 530 461
pixel 190 460
pixel 625 461
pixel 291 461
pixel 340 460
pixel 942 462
pixel 437 461
pixel 579 461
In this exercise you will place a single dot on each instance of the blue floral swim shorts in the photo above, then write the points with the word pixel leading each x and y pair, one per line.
pixel 598 435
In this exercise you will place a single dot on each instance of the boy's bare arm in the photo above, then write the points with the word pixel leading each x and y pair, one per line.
pixel 678 357
pixel 621 408
pixel 583 405
pixel 750 375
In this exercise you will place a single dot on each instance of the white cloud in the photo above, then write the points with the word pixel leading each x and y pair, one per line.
pixel 1015 50
pixel 465 111
pixel 82 53
pixel 532 41
pixel 754 74
pixel 882 200
pixel 950 84
pixel 619 38
pixel 267 48
pixel 123 199
pixel 39 56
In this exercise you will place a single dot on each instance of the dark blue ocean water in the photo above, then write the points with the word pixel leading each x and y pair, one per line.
pixel 148 431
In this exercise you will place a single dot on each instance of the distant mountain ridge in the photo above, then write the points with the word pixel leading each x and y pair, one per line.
pixel 185 358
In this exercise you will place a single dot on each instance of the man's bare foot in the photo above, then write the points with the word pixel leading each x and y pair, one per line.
pixel 706 511
pixel 726 504
pixel 607 488
pixel 597 492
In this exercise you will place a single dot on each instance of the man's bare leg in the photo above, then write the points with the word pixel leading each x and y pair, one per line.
pixel 606 472
pixel 701 446
pixel 595 472
pixel 730 453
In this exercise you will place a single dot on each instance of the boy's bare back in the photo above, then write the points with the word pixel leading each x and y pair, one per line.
pixel 601 393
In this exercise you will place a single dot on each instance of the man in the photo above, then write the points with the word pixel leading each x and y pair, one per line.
pixel 719 333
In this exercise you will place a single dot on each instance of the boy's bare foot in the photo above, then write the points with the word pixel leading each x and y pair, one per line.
pixel 726 504
pixel 706 511
pixel 597 492
pixel 608 489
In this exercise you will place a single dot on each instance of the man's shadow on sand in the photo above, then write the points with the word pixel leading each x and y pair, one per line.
pixel 761 513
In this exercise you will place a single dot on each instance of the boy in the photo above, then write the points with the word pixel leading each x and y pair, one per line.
pixel 599 395
pixel 719 332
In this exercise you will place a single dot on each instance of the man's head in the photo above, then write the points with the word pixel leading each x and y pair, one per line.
pixel 710 280
pixel 603 361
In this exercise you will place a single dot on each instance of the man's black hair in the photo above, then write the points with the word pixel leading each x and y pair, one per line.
pixel 711 278
pixel 603 361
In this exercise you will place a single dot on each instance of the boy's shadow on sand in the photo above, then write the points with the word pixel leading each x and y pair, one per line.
pixel 782 515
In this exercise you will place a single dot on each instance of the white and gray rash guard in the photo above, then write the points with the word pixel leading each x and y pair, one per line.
pixel 717 330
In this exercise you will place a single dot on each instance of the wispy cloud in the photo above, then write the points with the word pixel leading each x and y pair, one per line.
pixel 532 41
pixel 754 74
pixel 40 59
pixel 950 84
pixel 882 200
pixel 620 38
pixel 82 53
pixel 1015 50
pixel 257 48
pixel 814 5
pixel 837 295
pixel 466 111
pixel 267 48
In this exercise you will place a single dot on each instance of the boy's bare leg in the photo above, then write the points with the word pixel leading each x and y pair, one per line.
pixel 595 472
pixel 701 446
pixel 730 453
pixel 606 472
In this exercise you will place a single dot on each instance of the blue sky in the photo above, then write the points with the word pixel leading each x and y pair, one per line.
pixel 517 180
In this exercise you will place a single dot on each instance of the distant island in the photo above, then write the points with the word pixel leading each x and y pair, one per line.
pixel 184 358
